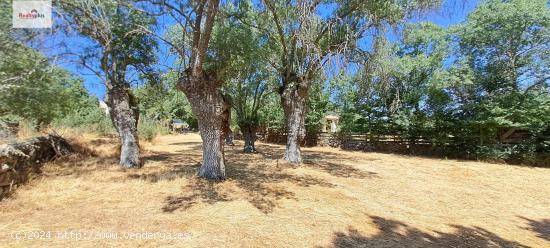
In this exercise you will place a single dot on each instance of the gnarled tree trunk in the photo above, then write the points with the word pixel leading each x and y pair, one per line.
pixel 229 138
pixel 124 113
pixel 294 100
pixel 212 112
pixel 249 135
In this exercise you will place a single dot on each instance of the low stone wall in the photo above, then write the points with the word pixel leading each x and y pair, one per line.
pixel 18 160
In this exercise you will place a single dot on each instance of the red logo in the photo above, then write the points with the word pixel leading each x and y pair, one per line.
pixel 33 14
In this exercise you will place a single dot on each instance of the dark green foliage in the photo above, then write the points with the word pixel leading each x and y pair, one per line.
pixel 317 108
pixel 460 88
pixel 161 101
pixel 272 113
pixel 87 119
pixel 43 95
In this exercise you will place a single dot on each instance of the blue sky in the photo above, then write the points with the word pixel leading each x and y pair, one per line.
pixel 452 12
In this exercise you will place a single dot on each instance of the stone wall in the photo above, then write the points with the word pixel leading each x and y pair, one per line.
pixel 19 160
pixel 8 131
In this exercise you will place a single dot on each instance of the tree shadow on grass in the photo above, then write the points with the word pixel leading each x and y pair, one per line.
pixel 540 227
pixel 76 165
pixel 167 175
pixel 255 178
pixel 394 233
pixel 322 161
pixel 274 151
pixel 187 143
pixel 176 165
pixel 257 184
pixel 199 191
pixel 270 151
pixel 339 170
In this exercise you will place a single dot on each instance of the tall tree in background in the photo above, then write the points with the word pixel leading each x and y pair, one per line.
pixel 306 41
pixel 248 97
pixel 505 46
pixel 514 50
pixel 247 74
pixel 160 100
pixel 118 45
pixel 459 87
pixel 400 82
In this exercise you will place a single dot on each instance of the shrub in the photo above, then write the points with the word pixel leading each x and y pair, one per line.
pixel 92 120
pixel 492 153
pixel 148 129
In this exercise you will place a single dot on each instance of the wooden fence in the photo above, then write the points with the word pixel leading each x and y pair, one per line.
pixel 455 147
pixel 398 143
pixel 277 137
pixel 354 141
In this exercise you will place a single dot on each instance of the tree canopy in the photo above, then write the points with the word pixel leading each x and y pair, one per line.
pixel 284 65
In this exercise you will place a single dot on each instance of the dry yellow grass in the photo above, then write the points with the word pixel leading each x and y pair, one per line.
pixel 337 199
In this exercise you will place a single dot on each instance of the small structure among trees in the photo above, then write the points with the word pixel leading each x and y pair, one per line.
pixel 330 125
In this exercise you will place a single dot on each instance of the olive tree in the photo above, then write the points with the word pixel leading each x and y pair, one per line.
pixel 198 70
pixel 117 44
pixel 306 41
pixel 247 73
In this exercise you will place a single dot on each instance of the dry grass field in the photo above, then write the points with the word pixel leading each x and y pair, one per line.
pixel 336 199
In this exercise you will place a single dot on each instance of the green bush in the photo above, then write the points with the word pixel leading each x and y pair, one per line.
pixel 148 129
pixel 89 120
pixel 493 153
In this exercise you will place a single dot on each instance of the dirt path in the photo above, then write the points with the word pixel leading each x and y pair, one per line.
pixel 337 199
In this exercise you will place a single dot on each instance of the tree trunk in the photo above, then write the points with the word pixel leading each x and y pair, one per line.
pixel 212 112
pixel 249 134
pixel 213 160
pixel 226 126
pixel 124 113
pixel 294 106
pixel 229 138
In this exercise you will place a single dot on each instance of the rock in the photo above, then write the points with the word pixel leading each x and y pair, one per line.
pixel 8 130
